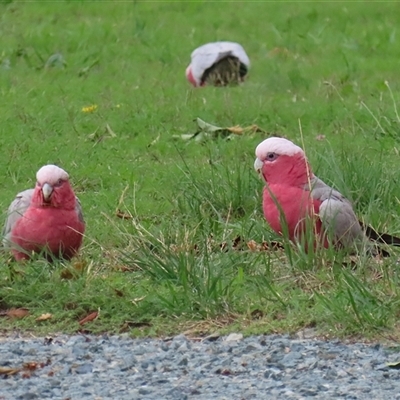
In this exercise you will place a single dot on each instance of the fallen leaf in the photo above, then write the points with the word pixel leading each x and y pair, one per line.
pixel 394 365
pixel 237 130
pixel 252 245
pixel 91 317
pixel 9 371
pixel 123 215
pixel 33 365
pixel 264 246
pixel 73 270
pixel 206 130
pixel 17 312
pixel 44 317
pixel 79 265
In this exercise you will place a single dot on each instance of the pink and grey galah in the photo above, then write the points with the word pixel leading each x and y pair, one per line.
pixel 47 219
pixel 294 199
pixel 218 64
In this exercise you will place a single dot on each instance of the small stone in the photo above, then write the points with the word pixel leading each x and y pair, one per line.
pixel 233 337
pixel 84 369
pixel 145 390
pixel 29 396
pixel 184 361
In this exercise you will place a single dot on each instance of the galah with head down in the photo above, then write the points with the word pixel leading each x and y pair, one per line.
pixel 218 64
pixel 47 219
pixel 294 199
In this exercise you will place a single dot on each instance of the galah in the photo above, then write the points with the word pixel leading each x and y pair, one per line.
pixel 294 199
pixel 218 64
pixel 47 219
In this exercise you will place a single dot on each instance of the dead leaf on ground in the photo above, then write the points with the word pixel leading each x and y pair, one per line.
pixel 252 245
pixel 16 312
pixel 238 130
pixel 394 365
pixel 73 270
pixel 263 246
pixel 91 317
pixel 9 371
pixel 79 265
pixel 44 317
pixel 206 130
pixel 123 215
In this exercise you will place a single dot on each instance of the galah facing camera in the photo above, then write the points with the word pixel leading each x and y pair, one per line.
pixel 218 64
pixel 294 200
pixel 47 219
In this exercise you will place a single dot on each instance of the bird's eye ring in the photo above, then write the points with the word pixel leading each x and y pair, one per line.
pixel 38 184
pixel 59 182
pixel 271 157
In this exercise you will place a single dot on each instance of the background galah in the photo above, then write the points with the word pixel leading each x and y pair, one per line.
pixel 218 64
pixel 46 219
pixel 293 195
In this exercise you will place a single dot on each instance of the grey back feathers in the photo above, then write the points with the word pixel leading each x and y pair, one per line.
pixel 337 215
pixel 16 210
pixel 228 70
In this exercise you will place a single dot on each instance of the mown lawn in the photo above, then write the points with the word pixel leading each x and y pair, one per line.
pixel 99 89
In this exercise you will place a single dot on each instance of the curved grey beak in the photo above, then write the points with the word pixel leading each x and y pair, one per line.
pixel 47 190
pixel 258 164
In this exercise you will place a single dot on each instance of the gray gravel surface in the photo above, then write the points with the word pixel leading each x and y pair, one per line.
pixel 232 367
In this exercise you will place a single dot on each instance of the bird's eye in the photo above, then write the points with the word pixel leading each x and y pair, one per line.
pixel 59 182
pixel 271 157
pixel 38 184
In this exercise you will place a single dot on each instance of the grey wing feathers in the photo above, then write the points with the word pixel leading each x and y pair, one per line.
pixel 336 214
pixel 78 209
pixel 339 216
pixel 16 210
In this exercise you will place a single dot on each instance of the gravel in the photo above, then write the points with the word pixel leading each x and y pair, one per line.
pixel 230 367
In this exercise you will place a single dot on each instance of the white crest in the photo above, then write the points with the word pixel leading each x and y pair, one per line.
pixel 279 146
pixel 51 174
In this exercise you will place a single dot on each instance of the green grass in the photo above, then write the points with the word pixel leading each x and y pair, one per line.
pixel 176 263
